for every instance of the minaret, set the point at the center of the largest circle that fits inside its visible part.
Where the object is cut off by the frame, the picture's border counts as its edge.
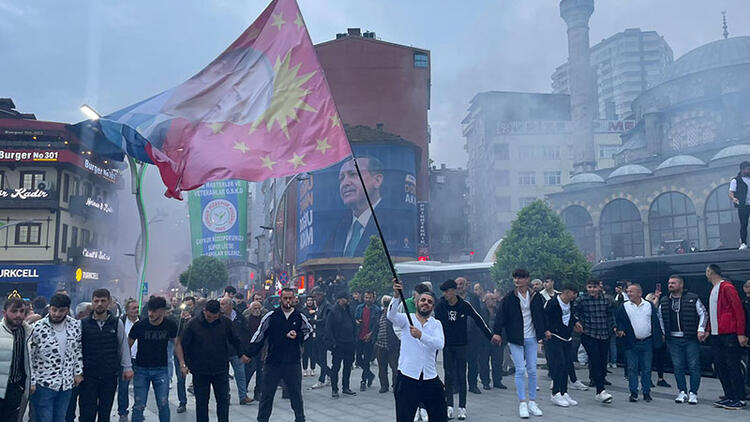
(582, 82)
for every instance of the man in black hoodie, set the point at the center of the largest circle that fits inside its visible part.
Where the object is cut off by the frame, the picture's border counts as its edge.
(741, 200)
(559, 321)
(452, 312)
(342, 334)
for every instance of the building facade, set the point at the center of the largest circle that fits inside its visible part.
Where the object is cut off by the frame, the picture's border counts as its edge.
(448, 216)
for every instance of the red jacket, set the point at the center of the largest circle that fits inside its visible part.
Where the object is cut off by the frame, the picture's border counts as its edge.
(730, 313)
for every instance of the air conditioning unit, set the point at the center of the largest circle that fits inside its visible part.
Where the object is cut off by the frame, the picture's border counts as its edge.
(41, 186)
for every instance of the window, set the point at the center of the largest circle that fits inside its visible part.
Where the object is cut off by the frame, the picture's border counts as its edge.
(721, 219)
(525, 152)
(421, 60)
(74, 237)
(30, 179)
(527, 178)
(66, 187)
(2, 180)
(502, 152)
(85, 237)
(607, 151)
(28, 234)
(76, 187)
(440, 179)
(673, 223)
(578, 222)
(502, 177)
(551, 152)
(64, 239)
(552, 177)
(621, 230)
(524, 202)
(503, 203)
(88, 190)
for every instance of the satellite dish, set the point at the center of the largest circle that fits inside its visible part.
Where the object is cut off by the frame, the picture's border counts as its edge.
(41, 186)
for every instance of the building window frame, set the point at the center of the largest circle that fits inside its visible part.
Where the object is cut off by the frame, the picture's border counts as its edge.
(34, 179)
(28, 234)
(64, 239)
(421, 60)
(66, 187)
(2, 179)
(552, 178)
(527, 178)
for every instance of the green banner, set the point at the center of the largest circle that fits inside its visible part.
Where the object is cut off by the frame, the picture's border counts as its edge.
(218, 219)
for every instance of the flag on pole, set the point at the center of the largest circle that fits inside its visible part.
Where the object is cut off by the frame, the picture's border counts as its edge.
(261, 109)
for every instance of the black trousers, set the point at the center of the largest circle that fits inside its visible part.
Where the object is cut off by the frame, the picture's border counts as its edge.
(10, 406)
(559, 353)
(363, 357)
(291, 373)
(409, 393)
(474, 351)
(322, 360)
(70, 415)
(727, 354)
(597, 350)
(309, 354)
(387, 358)
(744, 213)
(202, 384)
(255, 367)
(343, 353)
(454, 365)
(96, 396)
(491, 355)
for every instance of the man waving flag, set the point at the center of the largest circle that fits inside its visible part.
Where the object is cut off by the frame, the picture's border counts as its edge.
(261, 109)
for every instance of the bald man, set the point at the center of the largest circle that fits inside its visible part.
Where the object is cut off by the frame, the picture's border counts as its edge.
(239, 326)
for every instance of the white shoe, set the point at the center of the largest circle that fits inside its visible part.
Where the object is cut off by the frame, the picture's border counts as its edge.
(558, 400)
(692, 398)
(570, 400)
(743, 247)
(523, 410)
(578, 385)
(450, 412)
(681, 398)
(318, 385)
(417, 417)
(461, 414)
(604, 397)
(534, 409)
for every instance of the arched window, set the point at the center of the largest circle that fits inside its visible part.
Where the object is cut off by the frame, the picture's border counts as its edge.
(722, 222)
(672, 223)
(621, 230)
(578, 222)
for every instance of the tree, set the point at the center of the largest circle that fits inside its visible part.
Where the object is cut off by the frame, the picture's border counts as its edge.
(539, 242)
(206, 272)
(374, 274)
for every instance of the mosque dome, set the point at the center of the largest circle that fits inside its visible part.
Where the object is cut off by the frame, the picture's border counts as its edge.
(732, 151)
(717, 54)
(630, 170)
(679, 161)
(585, 178)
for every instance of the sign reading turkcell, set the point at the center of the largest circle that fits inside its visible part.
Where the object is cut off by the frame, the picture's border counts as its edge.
(218, 219)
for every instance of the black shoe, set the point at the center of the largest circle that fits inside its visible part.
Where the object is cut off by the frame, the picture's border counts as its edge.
(383, 390)
(663, 383)
(363, 386)
(486, 387)
(335, 394)
(733, 405)
(722, 402)
(633, 398)
(181, 408)
(647, 398)
(475, 390)
(607, 382)
(191, 390)
(501, 386)
(348, 392)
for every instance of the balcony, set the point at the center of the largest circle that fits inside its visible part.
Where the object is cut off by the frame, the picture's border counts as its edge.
(21, 198)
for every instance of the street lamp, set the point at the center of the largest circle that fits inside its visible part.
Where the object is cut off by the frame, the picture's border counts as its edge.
(90, 112)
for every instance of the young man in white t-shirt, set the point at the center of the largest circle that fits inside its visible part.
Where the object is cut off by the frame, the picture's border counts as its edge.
(741, 200)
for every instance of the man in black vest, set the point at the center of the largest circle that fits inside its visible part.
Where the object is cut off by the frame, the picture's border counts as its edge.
(106, 353)
(738, 194)
(682, 316)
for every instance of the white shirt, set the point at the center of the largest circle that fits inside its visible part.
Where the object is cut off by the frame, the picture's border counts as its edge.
(547, 296)
(565, 311)
(528, 325)
(363, 219)
(128, 325)
(62, 339)
(640, 318)
(733, 187)
(417, 356)
(713, 308)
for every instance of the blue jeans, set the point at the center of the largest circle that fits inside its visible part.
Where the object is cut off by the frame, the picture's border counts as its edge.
(613, 350)
(123, 399)
(686, 353)
(239, 376)
(50, 405)
(639, 362)
(524, 359)
(142, 380)
(181, 392)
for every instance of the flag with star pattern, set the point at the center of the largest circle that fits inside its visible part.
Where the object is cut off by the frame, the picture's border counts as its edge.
(262, 109)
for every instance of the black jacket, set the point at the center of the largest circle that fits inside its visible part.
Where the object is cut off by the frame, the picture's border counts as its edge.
(553, 319)
(274, 328)
(746, 305)
(206, 345)
(341, 326)
(510, 318)
(687, 319)
(453, 318)
(622, 322)
(239, 325)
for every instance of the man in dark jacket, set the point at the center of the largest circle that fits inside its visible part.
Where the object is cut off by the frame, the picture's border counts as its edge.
(489, 354)
(253, 316)
(321, 336)
(740, 198)
(387, 345)
(521, 314)
(637, 323)
(342, 332)
(453, 312)
(240, 330)
(367, 316)
(106, 355)
(206, 347)
(746, 305)
(560, 321)
(285, 329)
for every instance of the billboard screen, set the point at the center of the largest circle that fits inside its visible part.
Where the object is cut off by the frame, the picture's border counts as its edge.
(218, 219)
(334, 218)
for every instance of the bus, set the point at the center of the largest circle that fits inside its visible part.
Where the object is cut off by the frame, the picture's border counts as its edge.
(412, 273)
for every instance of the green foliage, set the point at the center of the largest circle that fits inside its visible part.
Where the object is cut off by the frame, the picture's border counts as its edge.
(539, 242)
(206, 272)
(375, 274)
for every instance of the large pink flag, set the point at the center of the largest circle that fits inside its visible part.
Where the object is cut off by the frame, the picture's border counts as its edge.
(261, 109)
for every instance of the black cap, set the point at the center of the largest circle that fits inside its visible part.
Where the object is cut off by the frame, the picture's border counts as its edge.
(213, 306)
(448, 284)
(342, 294)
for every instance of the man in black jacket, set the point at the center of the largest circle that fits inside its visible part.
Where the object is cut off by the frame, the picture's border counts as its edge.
(489, 354)
(637, 323)
(740, 198)
(205, 344)
(321, 336)
(560, 321)
(239, 325)
(285, 329)
(342, 333)
(521, 314)
(452, 312)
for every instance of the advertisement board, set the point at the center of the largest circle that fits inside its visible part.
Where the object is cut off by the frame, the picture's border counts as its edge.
(218, 219)
(334, 218)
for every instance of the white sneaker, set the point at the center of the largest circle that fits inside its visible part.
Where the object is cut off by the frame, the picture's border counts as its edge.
(523, 410)
(692, 398)
(743, 247)
(318, 385)
(450, 412)
(417, 416)
(461, 414)
(570, 400)
(681, 398)
(558, 400)
(578, 385)
(604, 397)
(534, 409)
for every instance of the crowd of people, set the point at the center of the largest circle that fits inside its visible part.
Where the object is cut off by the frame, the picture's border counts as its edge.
(59, 363)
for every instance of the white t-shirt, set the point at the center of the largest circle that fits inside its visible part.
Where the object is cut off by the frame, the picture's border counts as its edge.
(528, 326)
(133, 350)
(713, 304)
(733, 187)
(565, 311)
(62, 339)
